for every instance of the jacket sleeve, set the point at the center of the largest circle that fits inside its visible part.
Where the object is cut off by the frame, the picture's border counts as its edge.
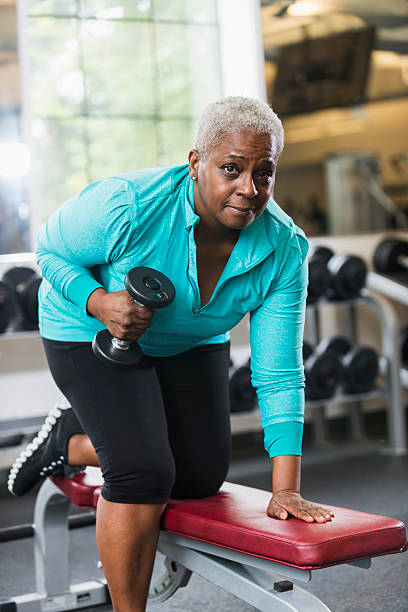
(90, 229)
(276, 337)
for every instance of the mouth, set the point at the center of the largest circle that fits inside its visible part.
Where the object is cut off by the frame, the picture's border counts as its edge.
(242, 211)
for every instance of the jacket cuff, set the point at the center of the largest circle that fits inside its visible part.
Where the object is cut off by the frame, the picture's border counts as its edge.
(79, 290)
(284, 438)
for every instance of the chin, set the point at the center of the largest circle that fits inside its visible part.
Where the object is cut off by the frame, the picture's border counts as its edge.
(239, 225)
(236, 221)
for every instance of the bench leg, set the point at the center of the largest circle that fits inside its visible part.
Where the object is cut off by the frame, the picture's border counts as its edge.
(249, 583)
(51, 550)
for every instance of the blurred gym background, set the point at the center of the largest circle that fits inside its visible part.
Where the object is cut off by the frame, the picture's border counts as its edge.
(89, 88)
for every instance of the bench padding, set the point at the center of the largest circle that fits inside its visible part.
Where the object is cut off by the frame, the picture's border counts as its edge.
(236, 518)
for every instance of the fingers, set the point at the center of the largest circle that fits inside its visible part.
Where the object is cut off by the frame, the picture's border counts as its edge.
(277, 511)
(131, 320)
(311, 512)
(142, 312)
(300, 509)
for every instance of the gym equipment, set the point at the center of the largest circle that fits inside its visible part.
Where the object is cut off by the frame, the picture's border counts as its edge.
(242, 393)
(319, 277)
(404, 345)
(148, 288)
(18, 275)
(347, 273)
(25, 282)
(323, 372)
(7, 305)
(307, 350)
(391, 255)
(227, 539)
(360, 364)
(391, 260)
(27, 295)
(26, 530)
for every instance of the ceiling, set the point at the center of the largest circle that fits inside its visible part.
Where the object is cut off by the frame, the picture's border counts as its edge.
(389, 17)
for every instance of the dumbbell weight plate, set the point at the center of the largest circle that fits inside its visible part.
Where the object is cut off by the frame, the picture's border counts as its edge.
(338, 344)
(389, 256)
(106, 351)
(149, 287)
(7, 305)
(18, 275)
(28, 299)
(319, 279)
(323, 373)
(404, 345)
(307, 350)
(321, 252)
(348, 274)
(360, 370)
(242, 393)
(360, 364)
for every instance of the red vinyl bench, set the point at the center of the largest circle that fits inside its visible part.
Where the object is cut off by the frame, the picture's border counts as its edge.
(210, 536)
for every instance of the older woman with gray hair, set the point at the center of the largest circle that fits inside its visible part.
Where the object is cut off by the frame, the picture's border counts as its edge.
(162, 429)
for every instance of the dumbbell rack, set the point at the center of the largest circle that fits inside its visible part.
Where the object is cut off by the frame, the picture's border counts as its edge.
(391, 391)
(390, 366)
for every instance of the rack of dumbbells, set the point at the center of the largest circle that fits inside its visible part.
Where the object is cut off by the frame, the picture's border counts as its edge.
(390, 278)
(19, 283)
(337, 372)
(19, 299)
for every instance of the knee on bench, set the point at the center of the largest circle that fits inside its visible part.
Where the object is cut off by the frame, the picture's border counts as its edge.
(127, 483)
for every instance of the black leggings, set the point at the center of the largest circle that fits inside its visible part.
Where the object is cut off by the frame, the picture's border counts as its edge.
(160, 430)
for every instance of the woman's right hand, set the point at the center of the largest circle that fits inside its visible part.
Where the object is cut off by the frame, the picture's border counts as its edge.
(119, 313)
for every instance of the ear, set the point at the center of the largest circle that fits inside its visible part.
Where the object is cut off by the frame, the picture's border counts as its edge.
(193, 162)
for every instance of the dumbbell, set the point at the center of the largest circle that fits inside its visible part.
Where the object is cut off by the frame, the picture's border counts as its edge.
(391, 256)
(24, 282)
(347, 273)
(319, 277)
(148, 288)
(323, 372)
(404, 345)
(360, 364)
(28, 300)
(7, 305)
(242, 393)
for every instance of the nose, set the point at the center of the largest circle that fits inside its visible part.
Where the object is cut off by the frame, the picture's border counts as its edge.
(247, 187)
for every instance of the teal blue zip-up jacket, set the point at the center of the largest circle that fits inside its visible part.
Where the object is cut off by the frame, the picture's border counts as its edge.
(147, 218)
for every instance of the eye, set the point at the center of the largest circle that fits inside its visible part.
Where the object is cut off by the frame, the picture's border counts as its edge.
(230, 169)
(264, 174)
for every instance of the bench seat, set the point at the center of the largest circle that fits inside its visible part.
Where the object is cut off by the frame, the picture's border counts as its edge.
(235, 518)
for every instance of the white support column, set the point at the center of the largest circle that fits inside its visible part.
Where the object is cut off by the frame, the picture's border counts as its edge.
(241, 48)
(32, 182)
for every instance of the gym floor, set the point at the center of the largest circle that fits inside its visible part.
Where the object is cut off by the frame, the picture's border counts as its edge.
(360, 476)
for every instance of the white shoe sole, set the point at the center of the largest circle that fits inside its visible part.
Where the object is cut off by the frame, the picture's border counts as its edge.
(34, 445)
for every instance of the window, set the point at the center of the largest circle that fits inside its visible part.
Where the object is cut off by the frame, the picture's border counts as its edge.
(113, 87)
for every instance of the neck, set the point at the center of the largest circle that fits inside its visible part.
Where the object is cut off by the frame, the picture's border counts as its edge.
(212, 234)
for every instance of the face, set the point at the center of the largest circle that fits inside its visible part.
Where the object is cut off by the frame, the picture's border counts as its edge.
(236, 180)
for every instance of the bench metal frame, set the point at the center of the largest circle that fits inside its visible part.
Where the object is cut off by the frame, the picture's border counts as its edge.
(249, 578)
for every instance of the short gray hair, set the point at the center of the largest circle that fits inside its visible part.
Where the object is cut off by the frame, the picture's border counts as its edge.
(236, 114)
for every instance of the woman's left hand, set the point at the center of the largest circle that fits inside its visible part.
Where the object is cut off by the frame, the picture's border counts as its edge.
(285, 503)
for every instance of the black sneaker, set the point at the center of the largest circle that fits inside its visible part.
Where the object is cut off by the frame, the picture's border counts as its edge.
(46, 455)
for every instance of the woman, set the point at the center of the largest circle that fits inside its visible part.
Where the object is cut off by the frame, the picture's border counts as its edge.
(163, 429)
